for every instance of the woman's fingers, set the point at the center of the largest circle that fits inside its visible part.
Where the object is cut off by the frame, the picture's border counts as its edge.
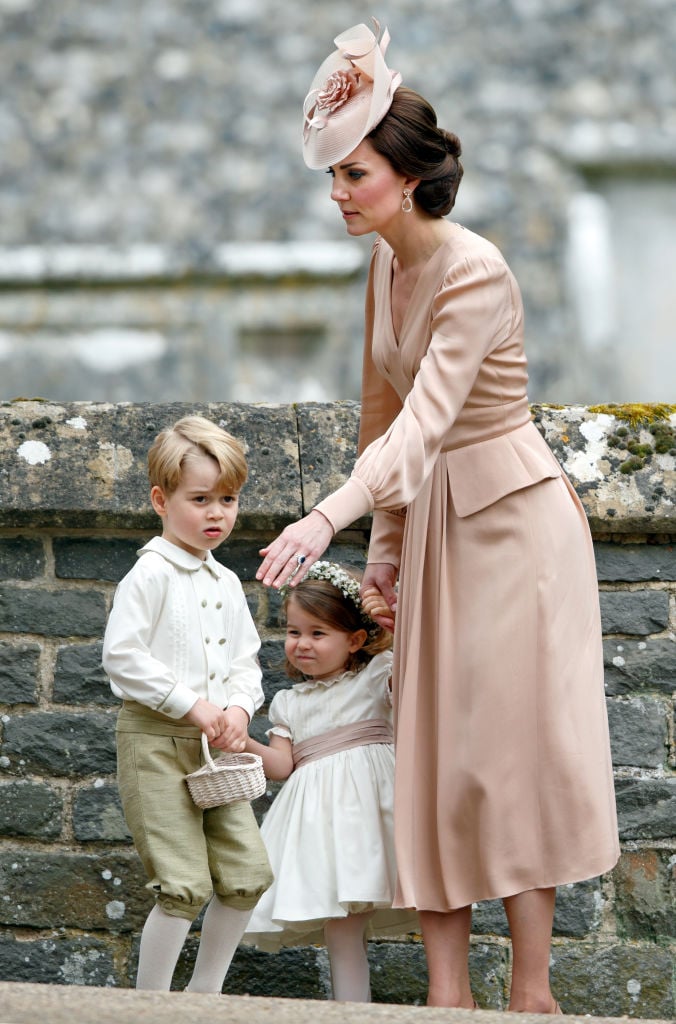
(289, 556)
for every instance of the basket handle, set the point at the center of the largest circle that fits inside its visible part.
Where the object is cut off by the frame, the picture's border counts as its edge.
(205, 750)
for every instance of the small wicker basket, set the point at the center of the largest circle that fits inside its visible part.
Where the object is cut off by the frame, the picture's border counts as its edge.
(227, 779)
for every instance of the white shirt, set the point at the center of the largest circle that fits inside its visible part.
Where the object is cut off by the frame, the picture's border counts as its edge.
(179, 629)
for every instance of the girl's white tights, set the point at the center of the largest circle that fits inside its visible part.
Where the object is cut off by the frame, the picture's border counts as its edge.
(163, 938)
(346, 944)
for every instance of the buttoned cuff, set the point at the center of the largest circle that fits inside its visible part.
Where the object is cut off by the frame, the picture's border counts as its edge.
(242, 700)
(178, 702)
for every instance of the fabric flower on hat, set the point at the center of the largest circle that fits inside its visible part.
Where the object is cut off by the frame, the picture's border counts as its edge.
(337, 90)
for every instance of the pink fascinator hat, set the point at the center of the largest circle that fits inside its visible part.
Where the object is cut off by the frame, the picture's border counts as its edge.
(350, 94)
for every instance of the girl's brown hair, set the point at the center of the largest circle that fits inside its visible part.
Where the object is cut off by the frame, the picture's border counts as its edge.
(327, 603)
(409, 137)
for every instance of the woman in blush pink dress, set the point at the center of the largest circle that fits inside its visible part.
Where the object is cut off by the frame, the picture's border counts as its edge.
(504, 783)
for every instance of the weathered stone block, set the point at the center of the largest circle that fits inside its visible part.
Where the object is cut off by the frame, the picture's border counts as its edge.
(633, 563)
(94, 558)
(98, 817)
(241, 557)
(79, 677)
(52, 612)
(645, 894)
(646, 808)
(72, 890)
(272, 664)
(30, 809)
(19, 665)
(57, 961)
(260, 723)
(104, 447)
(577, 912)
(638, 731)
(328, 445)
(631, 665)
(21, 558)
(61, 744)
(614, 981)
(296, 973)
(275, 613)
(398, 972)
(637, 612)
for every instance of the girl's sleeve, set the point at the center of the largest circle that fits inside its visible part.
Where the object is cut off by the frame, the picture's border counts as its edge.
(381, 678)
(278, 715)
(472, 313)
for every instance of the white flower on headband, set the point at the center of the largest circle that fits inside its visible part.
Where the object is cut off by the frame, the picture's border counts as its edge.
(337, 90)
(348, 586)
(341, 580)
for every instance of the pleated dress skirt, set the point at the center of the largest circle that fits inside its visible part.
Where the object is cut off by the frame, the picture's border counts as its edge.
(503, 770)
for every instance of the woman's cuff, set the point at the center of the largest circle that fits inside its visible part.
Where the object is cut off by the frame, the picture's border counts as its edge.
(387, 532)
(349, 503)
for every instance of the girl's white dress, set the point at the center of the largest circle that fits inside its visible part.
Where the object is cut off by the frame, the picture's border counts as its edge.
(329, 831)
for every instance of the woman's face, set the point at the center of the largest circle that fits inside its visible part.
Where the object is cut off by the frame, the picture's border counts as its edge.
(368, 191)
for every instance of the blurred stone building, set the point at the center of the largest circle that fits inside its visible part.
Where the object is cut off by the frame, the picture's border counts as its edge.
(161, 238)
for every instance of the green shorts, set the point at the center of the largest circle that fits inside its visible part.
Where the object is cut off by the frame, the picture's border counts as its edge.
(188, 853)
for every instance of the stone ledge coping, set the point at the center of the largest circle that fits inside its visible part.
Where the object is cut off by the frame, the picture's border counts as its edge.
(38, 265)
(55, 1004)
(82, 464)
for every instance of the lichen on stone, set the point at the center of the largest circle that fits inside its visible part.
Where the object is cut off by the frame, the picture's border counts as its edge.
(636, 413)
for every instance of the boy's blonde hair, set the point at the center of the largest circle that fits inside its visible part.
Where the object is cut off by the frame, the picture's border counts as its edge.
(191, 437)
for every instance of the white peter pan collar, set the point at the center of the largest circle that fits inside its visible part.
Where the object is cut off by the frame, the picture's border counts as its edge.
(180, 558)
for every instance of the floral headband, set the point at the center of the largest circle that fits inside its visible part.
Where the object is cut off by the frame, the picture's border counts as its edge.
(348, 586)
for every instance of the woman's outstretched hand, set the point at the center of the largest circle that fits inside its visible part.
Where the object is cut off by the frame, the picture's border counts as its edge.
(307, 540)
(378, 595)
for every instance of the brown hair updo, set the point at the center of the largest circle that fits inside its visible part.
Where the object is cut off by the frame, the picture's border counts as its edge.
(409, 137)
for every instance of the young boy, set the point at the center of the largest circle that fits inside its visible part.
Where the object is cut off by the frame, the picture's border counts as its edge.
(180, 649)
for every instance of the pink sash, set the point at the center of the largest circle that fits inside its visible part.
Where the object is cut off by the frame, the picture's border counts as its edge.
(373, 730)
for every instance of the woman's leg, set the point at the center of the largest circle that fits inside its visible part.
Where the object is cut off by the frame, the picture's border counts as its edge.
(346, 943)
(162, 940)
(530, 916)
(446, 938)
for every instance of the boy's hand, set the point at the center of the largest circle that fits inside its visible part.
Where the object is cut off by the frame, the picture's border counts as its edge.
(235, 734)
(209, 718)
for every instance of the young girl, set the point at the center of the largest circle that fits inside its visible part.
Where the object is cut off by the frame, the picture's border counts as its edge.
(329, 832)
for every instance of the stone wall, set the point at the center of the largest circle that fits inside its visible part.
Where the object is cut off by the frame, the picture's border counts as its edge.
(174, 127)
(73, 511)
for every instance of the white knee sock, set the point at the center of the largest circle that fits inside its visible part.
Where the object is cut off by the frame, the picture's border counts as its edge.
(346, 944)
(222, 930)
(161, 943)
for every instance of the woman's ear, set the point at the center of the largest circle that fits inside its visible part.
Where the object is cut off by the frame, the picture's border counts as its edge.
(358, 640)
(158, 500)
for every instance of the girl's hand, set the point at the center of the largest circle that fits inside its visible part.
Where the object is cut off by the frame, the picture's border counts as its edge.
(306, 539)
(234, 735)
(378, 596)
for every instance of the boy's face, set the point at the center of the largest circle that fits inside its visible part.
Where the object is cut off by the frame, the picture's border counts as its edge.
(198, 515)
